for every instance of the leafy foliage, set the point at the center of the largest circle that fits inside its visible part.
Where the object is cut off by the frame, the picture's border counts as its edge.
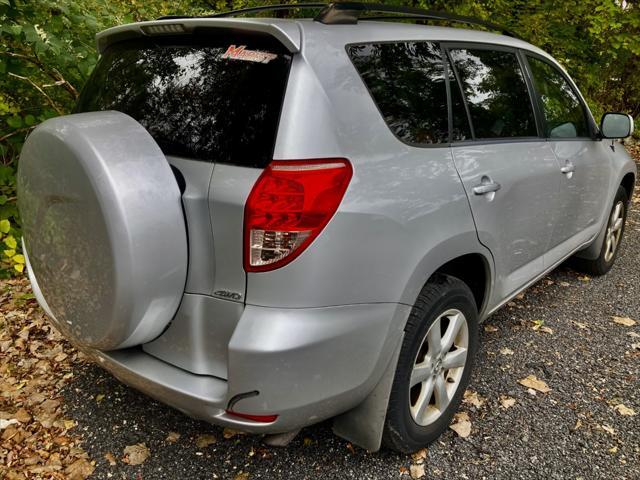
(47, 53)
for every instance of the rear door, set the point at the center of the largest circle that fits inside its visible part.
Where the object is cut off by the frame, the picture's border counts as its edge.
(212, 102)
(582, 163)
(510, 174)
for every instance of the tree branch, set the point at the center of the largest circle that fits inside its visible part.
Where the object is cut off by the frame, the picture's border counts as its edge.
(37, 87)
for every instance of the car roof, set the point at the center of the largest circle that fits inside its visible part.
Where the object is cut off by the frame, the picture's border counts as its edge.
(296, 34)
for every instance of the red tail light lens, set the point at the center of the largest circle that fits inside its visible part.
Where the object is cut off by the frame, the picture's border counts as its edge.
(289, 205)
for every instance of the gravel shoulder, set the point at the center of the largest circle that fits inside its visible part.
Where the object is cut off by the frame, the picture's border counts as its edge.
(562, 331)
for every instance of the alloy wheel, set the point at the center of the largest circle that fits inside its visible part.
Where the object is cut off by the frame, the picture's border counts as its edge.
(438, 367)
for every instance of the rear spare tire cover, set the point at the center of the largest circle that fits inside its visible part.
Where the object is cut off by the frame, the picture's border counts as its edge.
(103, 227)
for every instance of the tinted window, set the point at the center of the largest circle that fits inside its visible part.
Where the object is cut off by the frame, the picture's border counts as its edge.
(563, 112)
(407, 82)
(200, 100)
(496, 93)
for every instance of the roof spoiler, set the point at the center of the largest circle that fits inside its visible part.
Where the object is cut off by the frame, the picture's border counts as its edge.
(287, 34)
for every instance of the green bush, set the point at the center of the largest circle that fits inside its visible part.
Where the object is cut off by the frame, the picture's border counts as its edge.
(47, 52)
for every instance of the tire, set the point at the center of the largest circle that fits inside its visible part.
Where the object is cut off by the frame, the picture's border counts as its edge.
(606, 259)
(443, 294)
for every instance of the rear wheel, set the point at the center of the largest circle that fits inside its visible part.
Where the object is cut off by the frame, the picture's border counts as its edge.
(612, 238)
(434, 366)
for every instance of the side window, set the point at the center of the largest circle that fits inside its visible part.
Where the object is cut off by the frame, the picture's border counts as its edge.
(563, 113)
(407, 82)
(496, 93)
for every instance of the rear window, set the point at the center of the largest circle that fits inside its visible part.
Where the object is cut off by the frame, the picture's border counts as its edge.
(213, 99)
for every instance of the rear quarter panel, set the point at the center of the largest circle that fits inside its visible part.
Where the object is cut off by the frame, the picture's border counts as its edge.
(404, 214)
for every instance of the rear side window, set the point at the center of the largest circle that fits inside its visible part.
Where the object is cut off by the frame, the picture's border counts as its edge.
(496, 93)
(407, 82)
(563, 112)
(212, 99)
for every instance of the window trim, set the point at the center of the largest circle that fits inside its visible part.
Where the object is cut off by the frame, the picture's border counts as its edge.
(586, 112)
(448, 46)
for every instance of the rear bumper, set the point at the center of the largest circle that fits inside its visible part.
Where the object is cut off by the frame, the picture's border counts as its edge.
(304, 365)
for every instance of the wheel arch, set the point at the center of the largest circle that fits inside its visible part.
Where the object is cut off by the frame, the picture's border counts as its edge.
(628, 183)
(461, 256)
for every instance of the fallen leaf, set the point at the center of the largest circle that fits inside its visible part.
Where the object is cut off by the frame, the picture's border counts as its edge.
(490, 328)
(507, 402)
(99, 397)
(635, 346)
(79, 470)
(420, 456)
(633, 334)
(613, 449)
(534, 383)
(416, 471)
(608, 429)
(136, 454)
(506, 351)
(462, 426)
(241, 476)
(622, 409)
(472, 398)
(307, 442)
(584, 278)
(173, 437)
(5, 423)
(22, 416)
(69, 424)
(110, 457)
(230, 433)
(579, 325)
(203, 441)
(626, 321)
(564, 284)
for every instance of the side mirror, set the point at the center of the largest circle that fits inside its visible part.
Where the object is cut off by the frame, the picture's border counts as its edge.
(616, 125)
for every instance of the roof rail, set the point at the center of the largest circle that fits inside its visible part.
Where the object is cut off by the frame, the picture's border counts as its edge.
(349, 13)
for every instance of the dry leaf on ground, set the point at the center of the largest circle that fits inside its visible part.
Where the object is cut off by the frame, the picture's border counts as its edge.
(242, 476)
(136, 454)
(507, 402)
(419, 456)
(608, 429)
(462, 425)
(535, 383)
(111, 458)
(173, 437)
(622, 409)
(203, 441)
(79, 470)
(490, 328)
(416, 471)
(626, 321)
(506, 351)
(230, 433)
(473, 398)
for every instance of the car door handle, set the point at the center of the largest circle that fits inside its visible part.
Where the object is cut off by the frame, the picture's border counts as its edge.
(568, 168)
(485, 188)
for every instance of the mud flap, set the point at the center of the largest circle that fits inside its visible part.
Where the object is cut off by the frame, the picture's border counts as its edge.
(364, 424)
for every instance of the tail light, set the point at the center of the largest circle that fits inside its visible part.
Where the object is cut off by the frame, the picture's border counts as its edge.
(289, 205)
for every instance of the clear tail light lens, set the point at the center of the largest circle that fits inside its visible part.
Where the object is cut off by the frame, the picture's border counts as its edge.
(288, 207)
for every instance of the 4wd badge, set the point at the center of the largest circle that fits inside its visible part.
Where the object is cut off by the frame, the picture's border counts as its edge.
(241, 53)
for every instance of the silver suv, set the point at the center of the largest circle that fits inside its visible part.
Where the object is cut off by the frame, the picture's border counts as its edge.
(266, 223)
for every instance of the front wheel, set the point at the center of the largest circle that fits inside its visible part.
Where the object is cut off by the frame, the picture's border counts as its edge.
(434, 366)
(612, 238)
